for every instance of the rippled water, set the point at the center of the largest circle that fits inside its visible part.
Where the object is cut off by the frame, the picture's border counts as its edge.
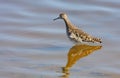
(32, 45)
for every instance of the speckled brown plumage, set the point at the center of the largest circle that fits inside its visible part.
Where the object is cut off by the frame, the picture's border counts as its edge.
(75, 34)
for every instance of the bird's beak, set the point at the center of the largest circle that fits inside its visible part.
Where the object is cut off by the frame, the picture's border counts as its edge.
(56, 18)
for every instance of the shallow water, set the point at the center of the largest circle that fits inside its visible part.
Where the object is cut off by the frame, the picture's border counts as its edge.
(32, 45)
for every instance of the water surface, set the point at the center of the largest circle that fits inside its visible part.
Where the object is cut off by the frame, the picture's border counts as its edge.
(32, 45)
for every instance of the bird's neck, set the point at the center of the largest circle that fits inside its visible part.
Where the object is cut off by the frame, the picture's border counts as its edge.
(68, 23)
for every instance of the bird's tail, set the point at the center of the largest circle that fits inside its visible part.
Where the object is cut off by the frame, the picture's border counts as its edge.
(97, 40)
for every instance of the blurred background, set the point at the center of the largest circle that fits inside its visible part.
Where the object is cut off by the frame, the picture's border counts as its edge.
(32, 45)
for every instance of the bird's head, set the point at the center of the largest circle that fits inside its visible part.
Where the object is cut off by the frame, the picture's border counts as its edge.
(61, 16)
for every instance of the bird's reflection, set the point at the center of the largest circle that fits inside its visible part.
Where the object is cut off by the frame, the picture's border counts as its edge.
(77, 52)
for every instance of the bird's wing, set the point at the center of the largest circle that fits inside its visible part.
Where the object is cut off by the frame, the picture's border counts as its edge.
(83, 35)
(86, 37)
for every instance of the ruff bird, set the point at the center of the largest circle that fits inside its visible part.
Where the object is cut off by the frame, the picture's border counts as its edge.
(75, 34)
